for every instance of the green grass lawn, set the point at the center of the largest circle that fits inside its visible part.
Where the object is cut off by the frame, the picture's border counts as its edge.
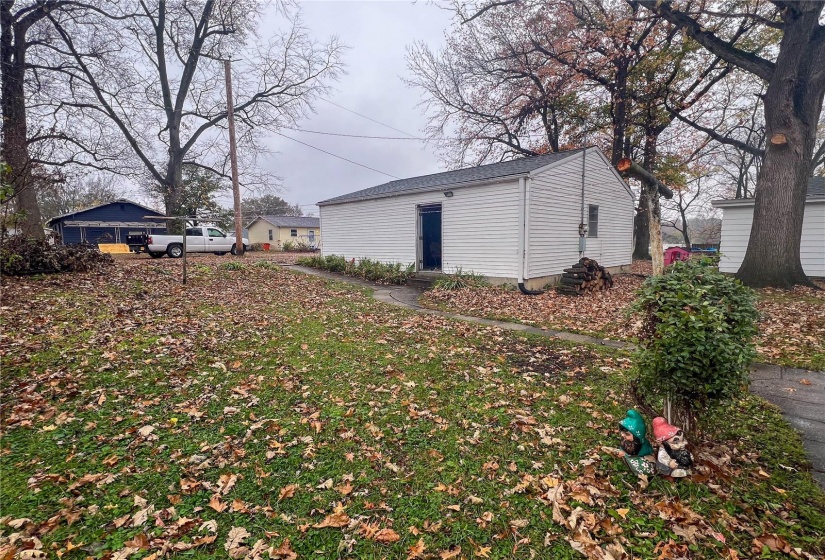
(259, 413)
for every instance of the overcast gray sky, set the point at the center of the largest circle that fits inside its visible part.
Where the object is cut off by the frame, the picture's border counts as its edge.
(377, 34)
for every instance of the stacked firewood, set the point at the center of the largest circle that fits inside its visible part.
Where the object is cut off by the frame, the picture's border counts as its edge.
(584, 277)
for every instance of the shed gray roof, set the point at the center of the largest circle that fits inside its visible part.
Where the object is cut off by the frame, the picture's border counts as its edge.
(816, 191)
(290, 221)
(515, 167)
(816, 187)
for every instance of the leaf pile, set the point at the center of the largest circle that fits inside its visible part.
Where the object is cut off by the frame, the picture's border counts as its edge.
(258, 413)
(791, 325)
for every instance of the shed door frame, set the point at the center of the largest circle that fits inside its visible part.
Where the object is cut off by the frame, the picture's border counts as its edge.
(419, 235)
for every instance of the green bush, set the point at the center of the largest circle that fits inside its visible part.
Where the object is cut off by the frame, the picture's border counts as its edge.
(267, 265)
(298, 246)
(460, 279)
(232, 265)
(376, 271)
(696, 335)
(20, 255)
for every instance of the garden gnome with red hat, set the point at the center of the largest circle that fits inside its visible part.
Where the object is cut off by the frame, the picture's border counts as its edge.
(673, 458)
(636, 451)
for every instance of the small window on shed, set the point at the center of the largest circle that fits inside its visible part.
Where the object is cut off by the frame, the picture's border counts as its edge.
(270, 235)
(293, 232)
(593, 221)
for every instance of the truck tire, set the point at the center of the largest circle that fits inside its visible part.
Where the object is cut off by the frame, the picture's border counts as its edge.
(155, 254)
(175, 251)
(234, 250)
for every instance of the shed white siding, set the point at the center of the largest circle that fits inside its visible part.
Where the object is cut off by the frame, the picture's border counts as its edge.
(736, 228)
(554, 200)
(479, 228)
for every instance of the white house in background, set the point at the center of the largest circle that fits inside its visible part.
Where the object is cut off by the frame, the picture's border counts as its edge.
(515, 221)
(737, 218)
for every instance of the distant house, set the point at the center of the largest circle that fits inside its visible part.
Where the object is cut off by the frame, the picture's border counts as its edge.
(106, 223)
(737, 219)
(516, 221)
(277, 230)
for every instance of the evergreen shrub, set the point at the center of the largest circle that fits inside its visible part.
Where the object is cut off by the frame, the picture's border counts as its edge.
(697, 326)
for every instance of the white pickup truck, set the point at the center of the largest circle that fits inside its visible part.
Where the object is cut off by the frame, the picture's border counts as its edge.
(199, 239)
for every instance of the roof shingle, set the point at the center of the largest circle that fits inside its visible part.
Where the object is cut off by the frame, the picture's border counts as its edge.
(816, 187)
(521, 166)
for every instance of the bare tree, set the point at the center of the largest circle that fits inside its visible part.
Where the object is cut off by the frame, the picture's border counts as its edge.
(58, 194)
(499, 98)
(523, 79)
(152, 70)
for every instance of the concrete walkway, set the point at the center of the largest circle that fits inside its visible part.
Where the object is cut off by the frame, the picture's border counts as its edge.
(800, 394)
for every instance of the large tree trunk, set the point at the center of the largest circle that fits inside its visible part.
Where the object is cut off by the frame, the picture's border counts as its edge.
(15, 142)
(641, 229)
(619, 115)
(793, 102)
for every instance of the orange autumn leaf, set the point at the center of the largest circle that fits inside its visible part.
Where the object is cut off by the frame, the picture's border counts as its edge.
(417, 550)
(334, 520)
(216, 504)
(287, 491)
(387, 536)
(450, 553)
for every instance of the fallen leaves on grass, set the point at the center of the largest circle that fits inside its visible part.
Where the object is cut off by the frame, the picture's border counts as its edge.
(165, 413)
(791, 325)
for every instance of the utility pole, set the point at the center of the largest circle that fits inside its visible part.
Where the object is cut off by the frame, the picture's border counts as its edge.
(233, 156)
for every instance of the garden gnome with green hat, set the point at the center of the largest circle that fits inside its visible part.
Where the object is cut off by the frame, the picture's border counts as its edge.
(636, 450)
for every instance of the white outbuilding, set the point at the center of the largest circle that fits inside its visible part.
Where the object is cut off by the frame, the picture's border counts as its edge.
(737, 219)
(517, 221)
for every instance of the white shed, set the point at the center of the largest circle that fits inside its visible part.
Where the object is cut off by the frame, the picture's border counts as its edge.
(737, 218)
(516, 221)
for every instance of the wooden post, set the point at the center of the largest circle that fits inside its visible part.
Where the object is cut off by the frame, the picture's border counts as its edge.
(233, 156)
(184, 252)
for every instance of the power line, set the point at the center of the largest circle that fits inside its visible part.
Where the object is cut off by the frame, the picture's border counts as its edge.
(337, 156)
(445, 139)
(366, 117)
(356, 135)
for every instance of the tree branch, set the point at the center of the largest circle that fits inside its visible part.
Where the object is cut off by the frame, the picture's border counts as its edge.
(487, 7)
(738, 57)
(721, 138)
